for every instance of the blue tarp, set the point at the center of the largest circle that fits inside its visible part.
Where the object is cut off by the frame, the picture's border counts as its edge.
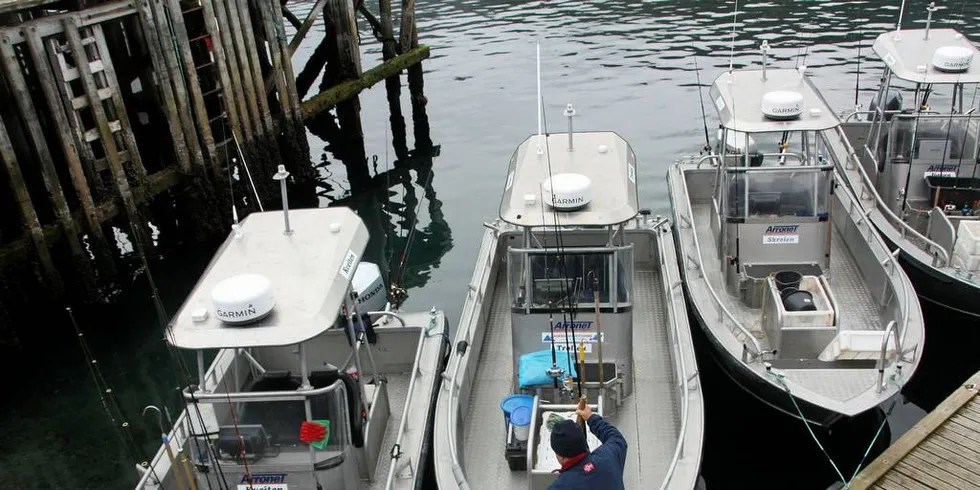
(533, 367)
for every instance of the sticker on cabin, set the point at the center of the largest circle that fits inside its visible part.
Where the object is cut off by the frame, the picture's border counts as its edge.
(781, 234)
(510, 181)
(349, 264)
(631, 172)
(579, 325)
(561, 338)
(720, 103)
(941, 171)
(264, 481)
(562, 348)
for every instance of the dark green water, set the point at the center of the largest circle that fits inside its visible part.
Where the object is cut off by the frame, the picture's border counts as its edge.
(626, 66)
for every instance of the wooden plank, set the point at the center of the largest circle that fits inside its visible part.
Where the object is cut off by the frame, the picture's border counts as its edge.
(941, 469)
(19, 190)
(291, 17)
(100, 246)
(960, 458)
(959, 441)
(962, 418)
(193, 82)
(895, 481)
(22, 97)
(52, 24)
(108, 140)
(307, 24)
(154, 46)
(884, 462)
(965, 432)
(345, 90)
(923, 476)
(245, 18)
(408, 24)
(169, 73)
(217, 50)
(237, 94)
(15, 5)
(157, 183)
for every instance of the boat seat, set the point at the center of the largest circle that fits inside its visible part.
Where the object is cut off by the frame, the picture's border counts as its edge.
(320, 378)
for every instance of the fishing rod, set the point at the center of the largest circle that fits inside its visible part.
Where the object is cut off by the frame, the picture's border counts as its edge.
(704, 116)
(186, 473)
(857, 75)
(598, 332)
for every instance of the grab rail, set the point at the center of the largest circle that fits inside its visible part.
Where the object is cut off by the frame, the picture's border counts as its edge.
(453, 408)
(683, 381)
(883, 208)
(259, 396)
(711, 290)
(416, 372)
(884, 349)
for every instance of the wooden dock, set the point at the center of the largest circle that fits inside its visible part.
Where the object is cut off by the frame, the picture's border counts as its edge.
(111, 106)
(941, 452)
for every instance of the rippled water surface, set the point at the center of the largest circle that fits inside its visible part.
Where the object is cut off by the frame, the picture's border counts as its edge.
(627, 66)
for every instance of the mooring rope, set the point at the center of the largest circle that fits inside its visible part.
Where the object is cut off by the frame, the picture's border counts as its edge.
(780, 377)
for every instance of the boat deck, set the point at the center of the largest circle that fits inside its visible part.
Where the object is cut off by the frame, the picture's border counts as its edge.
(649, 418)
(942, 451)
(858, 308)
(397, 396)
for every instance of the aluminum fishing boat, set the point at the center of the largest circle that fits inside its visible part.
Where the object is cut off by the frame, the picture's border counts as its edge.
(916, 166)
(304, 338)
(803, 303)
(572, 265)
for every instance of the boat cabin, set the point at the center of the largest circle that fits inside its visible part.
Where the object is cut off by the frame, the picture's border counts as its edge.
(771, 201)
(296, 319)
(921, 146)
(571, 195)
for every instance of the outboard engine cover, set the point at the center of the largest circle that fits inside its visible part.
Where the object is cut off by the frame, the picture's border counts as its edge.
(370, 288)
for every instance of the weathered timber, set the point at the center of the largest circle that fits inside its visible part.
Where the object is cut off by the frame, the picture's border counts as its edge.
(410, 40)
(393, 84)
(50, 25)
(231, 109)
(256, 68)
(236, 94)
(332, 96)
(155, 47)
(157, 183)
(14, 5)
(291, 17)
(307, 24)
(19, 189)
(244, 65)
(22, 98)
(286, 67)
(108, 139)
(193, 81)
(100, 246)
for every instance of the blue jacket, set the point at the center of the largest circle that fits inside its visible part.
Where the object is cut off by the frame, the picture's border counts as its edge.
(603, 468)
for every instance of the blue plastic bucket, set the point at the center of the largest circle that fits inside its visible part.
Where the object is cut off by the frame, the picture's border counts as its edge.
(512, 402)
(520, 418)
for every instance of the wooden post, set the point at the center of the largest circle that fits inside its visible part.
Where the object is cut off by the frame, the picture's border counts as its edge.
(256, 69)
(227, 88)
(153, 45)
(345, 66)
(291, 17)
(100, 246)
(31, 223)
(108, 139)
(244, 65)
(22, 98)
(236, 93)
(393, 84)
(286, 65)
(193, 81)
(307, 24)
(410, 40)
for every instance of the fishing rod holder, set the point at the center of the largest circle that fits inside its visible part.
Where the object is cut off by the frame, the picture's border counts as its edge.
(281, 176)
(570, 113)
(764, 48)
(929, 10)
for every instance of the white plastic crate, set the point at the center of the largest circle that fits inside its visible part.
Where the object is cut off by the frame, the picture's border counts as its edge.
(963, 259)
(822, 317)
(968, 236)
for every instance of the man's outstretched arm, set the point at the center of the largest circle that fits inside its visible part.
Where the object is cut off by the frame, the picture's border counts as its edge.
(612, 439)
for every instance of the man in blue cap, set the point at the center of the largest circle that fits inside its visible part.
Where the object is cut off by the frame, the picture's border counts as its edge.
(581, 470)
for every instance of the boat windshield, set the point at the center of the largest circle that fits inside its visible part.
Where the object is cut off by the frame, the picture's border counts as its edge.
(568, 279)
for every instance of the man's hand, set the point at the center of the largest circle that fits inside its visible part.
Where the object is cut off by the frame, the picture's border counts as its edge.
(585, 413)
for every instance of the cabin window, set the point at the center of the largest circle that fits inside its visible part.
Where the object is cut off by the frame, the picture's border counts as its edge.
(761, 194)
(568, 280)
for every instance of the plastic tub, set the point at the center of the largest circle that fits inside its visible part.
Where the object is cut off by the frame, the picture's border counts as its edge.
(520, 418)
(787, 279)
(512, 402)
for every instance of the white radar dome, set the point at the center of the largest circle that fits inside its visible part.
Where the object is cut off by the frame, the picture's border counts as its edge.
(953, 59)
(370, 288)
(243, 299)
(566, 192)
(782, 104)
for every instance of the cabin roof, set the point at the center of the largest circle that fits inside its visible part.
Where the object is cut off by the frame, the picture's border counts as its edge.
(737, 96)
(310, 271)
(906, 51)
(604, 157)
